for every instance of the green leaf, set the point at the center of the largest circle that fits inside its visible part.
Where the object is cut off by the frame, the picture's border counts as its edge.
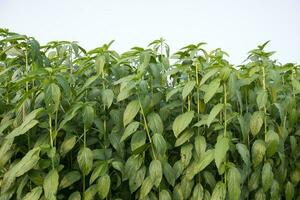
(103, 186)
(198, 165)
(221, 148)
(258, 152)
(130, 129)
(234, 183)
(155, 172)
(213, 113)
(131, 111)
(211, 90)
(169, 173)
(184, 137)
(197, 192)
(172, 93)
(262, 99)
(164, 195)
(155, 123)
(209, 74)
(219, 192)
(200, 145)
(289, 191)
(70, 178)
(244, 152)
(181, 122)
(272, 142)
(107, 97)
(50, 184)
(99, 170)
(85, 160)
(68, 144)
(138, 140)
(188, 87)
(88, 115)
(75, 196)
(99, 64)
(137, 179)
(146, 187)
(256, 122)
(267, 177)
(90, 193)
(34, 194)
(159, 143)
(22, 129)
(52, 97)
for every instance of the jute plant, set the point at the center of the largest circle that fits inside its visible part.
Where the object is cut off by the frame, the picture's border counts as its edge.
(79, 124)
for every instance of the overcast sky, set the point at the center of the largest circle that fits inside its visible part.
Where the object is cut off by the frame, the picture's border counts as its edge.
(236, 26)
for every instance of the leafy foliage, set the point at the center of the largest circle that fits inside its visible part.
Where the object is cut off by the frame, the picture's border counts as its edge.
(77, 124)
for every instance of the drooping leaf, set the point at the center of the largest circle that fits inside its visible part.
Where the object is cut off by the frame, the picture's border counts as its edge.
(256, 123)
(50, 184)
(103, 186)
(70, 178)
(130, 129)
(234, 183)
(188, 87)
(156, 172)
(181, 122)
(219, 191)
(211, 90)
(155, 123)
(221, 148)
(131, 111)
(85, 160)
(213, 113)
(107, 97)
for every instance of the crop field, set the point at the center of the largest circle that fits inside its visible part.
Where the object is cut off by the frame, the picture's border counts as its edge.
(145, 124)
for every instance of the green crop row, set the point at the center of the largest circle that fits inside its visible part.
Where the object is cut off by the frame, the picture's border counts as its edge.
(77, 124)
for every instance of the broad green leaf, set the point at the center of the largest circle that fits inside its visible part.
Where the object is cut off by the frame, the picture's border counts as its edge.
(272, 142)
(88, 115)
(22, 129)
(155, 172)
(164, 195)
(211, 90)
(159, 143)
(197, 192)
(256, 122)
(99, 170)
(75, 196)
(221, 148)
(52, 97)
(107, 97)
(146, 187)
(155, 123)
(34, 194)
(70, 178)
(289, 191)
(181, 122)
(131, 111)
(244, 152)
(234, 183)
(27, 162)
(200, 145)
(138, 140)
(68, 144)
(275, 190)
(99, 64)
(262, 99)
(184, 137)
(219, 192)
(254, 181)
(213, 113)
(88, 82)
(186, 154)
(258, 152)
(85, 160)
(130, 129)
(169, 173)
(267, 177)
(103, 186)
(137, 179)
(207, 75)
(90, 193)
(198, 165)
(188, 87)
(172, 93)
(50, 184)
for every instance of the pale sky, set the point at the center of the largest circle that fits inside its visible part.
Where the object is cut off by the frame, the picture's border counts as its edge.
(236, 26)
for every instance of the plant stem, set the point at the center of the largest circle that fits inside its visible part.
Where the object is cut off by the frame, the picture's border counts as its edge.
(146, 128)
(51, 138)
(225, 109)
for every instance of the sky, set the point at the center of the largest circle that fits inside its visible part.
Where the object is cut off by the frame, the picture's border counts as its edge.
(236, 26)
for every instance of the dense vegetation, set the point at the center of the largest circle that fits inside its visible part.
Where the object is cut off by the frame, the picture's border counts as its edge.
(144, 125)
